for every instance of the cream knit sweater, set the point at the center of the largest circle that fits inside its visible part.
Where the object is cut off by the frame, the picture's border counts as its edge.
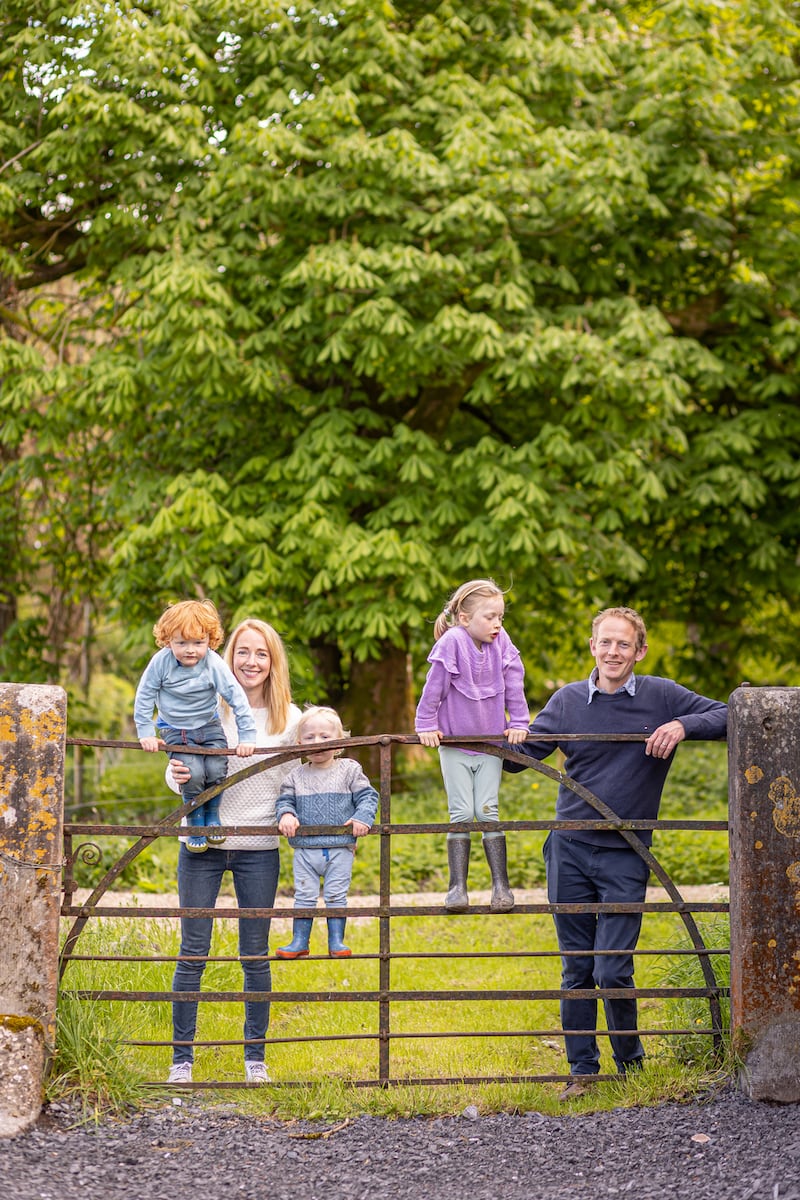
(252, 802)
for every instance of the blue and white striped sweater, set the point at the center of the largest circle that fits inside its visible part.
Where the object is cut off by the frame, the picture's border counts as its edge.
(327, 796)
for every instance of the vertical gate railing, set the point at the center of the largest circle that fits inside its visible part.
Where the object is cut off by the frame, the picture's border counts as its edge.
(385, 997)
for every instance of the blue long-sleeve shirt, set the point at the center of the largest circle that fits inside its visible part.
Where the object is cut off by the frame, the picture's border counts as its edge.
(186, 697)
(629, 781)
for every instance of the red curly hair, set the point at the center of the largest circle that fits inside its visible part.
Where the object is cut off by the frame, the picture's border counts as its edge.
(189, 619)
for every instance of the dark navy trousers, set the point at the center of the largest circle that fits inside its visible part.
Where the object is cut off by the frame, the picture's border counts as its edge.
(580, 873)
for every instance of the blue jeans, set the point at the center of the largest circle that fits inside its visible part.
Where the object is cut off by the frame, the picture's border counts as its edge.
(580, 873)
(206, 769)
(255, 880)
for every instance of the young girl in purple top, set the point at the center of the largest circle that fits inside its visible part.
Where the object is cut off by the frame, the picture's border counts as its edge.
(475, 679)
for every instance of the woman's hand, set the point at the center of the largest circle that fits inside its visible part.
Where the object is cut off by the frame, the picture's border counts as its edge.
(179, 772)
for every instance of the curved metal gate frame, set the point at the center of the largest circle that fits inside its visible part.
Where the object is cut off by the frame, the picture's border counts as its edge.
(385, 910)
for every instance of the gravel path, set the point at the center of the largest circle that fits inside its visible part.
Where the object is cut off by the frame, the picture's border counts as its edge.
(720, 1147)
(724, 1146)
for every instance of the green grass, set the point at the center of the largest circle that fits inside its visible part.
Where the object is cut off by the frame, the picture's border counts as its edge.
(328, 1070)
(91, 1065)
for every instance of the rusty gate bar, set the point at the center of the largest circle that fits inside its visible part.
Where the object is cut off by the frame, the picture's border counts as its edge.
(384, 911)
(236, 958)
(384, 922)
(395, 910)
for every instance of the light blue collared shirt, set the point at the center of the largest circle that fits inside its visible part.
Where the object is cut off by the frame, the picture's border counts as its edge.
(628, 686)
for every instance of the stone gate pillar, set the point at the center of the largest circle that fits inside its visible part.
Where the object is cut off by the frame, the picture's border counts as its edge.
(764, 772)
(32, 741)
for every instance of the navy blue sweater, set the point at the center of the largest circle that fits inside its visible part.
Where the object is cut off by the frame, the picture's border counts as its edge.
(629, 781)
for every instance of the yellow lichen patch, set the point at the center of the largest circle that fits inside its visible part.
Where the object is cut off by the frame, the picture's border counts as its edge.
(8, 728)
(793, 875)
(785, 806)
(18, 1024)
(42, 821)
(753, 774)
(42, 788)
(45, 726)
(9, 779)
(37, 853)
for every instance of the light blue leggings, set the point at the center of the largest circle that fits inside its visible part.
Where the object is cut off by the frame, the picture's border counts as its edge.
(472, 783)
(333, 865)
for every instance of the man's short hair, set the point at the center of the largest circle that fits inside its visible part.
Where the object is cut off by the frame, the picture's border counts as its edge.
(625, 614)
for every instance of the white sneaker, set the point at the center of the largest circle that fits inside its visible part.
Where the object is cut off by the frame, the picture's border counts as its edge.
(256, 1072)
(180, 1073)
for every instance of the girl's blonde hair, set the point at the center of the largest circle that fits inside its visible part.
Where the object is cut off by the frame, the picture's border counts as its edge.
(465, 599)
(277, 690)
(319, 710)
(191, 619)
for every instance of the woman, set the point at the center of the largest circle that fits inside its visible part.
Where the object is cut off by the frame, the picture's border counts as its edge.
(256, 655)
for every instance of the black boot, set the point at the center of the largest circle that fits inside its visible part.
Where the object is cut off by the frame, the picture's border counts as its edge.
(457, 899)
(495, 851)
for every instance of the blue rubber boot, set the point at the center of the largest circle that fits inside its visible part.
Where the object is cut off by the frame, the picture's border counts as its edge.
(213, 822)
(197, 843)
(336, 947)
(298, 946)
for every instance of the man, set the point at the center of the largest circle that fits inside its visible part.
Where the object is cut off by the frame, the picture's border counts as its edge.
(587, 866)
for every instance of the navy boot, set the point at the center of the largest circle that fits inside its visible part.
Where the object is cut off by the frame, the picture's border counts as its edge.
(213, 822)
(197, 842)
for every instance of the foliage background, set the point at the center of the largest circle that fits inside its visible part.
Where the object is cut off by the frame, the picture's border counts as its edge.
(320, 312)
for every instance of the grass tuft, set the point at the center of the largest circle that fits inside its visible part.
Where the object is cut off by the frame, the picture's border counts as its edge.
(89, 1067)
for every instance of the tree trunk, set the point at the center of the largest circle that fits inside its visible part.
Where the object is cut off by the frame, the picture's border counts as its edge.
(380, 699)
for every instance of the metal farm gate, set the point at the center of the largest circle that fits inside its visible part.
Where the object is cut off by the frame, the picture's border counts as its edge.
(387, 998)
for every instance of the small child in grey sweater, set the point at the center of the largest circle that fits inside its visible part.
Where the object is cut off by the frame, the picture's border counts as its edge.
(323, 790)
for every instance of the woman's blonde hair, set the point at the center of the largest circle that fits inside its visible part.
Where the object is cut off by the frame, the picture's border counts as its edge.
(277, 690)
(465, 599)
(192, 619)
